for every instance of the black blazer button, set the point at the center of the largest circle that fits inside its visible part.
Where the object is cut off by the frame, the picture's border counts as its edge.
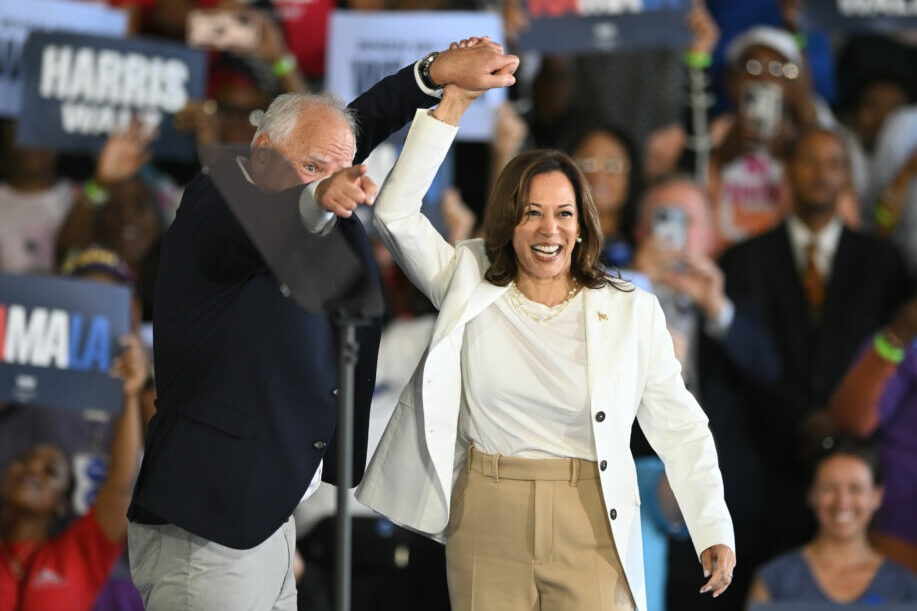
(603, 465)
(335, 392)
(613, 514)
(319, 445)
(600, 416)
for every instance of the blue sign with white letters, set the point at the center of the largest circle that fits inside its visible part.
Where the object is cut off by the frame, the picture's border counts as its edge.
(58, 338)
(79, 89)
(582, 26)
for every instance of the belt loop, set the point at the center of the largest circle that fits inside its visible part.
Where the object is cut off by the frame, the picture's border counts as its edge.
(495, 466)
(574, 471)
(468, 458)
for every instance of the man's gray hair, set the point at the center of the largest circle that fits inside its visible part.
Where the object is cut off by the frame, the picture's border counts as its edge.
(282, 115)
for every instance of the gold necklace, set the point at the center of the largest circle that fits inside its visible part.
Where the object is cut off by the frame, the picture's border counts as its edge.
(516, 297)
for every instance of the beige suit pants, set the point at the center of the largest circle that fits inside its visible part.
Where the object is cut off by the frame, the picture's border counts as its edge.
(531, 535)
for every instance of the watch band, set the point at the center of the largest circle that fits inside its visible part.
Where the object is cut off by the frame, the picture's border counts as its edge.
(425, 64)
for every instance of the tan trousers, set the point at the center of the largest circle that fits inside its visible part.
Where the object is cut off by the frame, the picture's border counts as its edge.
(531, 535)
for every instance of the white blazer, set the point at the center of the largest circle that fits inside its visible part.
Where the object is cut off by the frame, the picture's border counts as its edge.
(632, 372)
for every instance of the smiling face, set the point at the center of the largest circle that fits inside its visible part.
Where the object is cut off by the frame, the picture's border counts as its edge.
(844, 497)
(36, 481)
(546, 235)
(321, 144)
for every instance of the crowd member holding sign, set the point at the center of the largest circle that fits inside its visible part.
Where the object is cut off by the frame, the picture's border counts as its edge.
(67, 572)
(245, 378)
(511, 440)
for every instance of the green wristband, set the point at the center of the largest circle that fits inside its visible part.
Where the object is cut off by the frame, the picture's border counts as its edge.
(95, 192)
(284, 66)
(885, 217)
(801, 40)
(892, 354)
(698, 59)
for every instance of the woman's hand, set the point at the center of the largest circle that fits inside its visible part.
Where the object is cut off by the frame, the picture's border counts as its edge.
(704, 31)
(124, 153)
(719, 562)
(132, 365)
(454, 104)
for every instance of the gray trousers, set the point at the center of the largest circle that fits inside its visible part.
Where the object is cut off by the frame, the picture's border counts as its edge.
(176, 570)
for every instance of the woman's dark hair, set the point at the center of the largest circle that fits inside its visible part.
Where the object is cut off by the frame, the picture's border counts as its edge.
(635, 184)
(843, 444)
(507, 204)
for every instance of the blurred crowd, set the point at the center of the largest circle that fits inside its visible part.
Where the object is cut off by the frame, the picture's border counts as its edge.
(762, 182)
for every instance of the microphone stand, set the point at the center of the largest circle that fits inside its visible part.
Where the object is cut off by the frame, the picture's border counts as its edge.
(348, 354)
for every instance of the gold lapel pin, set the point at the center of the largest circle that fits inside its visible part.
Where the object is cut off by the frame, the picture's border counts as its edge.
(602, 316)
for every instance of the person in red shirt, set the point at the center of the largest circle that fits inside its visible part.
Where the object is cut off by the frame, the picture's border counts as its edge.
(64, 573)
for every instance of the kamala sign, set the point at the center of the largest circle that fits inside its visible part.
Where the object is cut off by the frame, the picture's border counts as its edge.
(58, 338)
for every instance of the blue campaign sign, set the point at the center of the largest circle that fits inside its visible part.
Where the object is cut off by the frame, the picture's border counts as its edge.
(19, 17)
(861, 15)
(366, 46)
(583, 26)
(58, 338)
(78, 89)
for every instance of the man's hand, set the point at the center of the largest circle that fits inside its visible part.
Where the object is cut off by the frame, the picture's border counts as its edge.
(702, 281)
(346, 189)
(719, 562)
(475, 64)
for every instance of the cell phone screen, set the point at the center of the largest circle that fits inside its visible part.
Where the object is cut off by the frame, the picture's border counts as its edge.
(224, 29)
(670, 226)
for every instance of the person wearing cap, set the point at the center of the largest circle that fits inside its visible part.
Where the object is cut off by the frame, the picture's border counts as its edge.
(741, 155)
(773, 101)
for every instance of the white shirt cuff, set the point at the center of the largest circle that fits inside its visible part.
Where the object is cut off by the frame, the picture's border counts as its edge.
(719, 328)
(314, 218)
(436, 93)
(315, 483)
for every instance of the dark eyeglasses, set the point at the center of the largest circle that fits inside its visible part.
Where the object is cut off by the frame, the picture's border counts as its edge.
(776, 69)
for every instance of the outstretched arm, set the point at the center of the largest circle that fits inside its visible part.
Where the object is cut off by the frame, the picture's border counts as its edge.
(426, 258)
(382, 110)
(110, 508)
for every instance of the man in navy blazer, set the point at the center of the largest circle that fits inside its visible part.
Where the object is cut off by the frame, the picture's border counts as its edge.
(245, 378)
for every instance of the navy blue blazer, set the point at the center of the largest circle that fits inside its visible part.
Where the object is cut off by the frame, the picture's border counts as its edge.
(245, 379)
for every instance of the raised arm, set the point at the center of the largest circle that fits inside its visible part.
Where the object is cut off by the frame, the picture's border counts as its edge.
(424, 255)
(426, 258)
(110, 508)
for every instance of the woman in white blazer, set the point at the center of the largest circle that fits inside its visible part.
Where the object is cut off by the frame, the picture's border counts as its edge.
(511, 441)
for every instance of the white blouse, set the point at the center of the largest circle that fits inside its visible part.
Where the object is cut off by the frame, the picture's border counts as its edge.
(524, 382)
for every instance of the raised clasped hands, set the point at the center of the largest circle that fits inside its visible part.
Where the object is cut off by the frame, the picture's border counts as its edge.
(468, 69)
